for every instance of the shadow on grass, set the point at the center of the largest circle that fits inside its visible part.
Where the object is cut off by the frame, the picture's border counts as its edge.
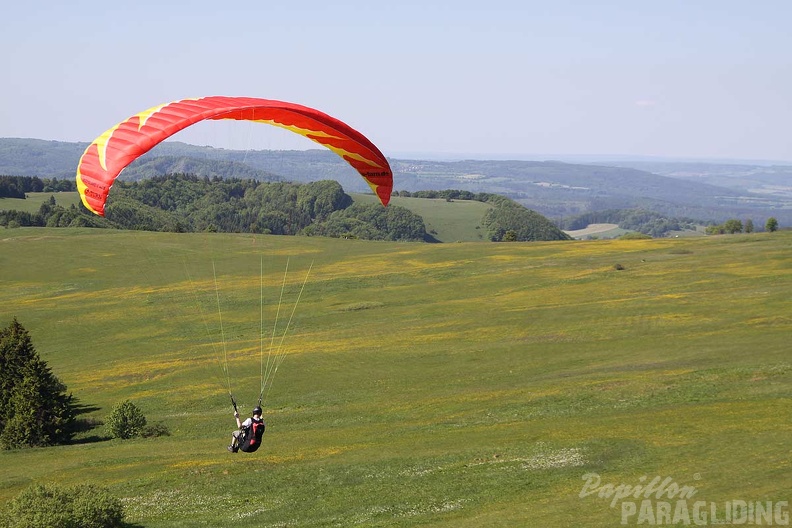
(89, 430)
(82, 427)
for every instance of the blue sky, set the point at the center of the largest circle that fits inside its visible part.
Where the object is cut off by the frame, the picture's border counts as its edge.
(681, 79)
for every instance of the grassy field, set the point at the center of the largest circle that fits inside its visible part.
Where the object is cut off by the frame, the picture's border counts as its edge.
(423, 384)
(33, 202)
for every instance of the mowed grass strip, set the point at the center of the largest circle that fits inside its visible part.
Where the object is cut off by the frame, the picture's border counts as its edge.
(452, 385)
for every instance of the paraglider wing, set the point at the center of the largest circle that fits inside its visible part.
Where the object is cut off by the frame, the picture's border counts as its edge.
(110, 153)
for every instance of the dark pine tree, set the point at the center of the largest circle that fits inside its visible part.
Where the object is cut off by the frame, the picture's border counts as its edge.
(34, 407)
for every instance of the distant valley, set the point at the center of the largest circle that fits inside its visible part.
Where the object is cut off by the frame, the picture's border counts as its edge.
(702, 191)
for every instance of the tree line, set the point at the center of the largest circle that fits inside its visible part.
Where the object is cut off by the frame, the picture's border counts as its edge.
(188, 203)
(17, 186)
(640, 220)
(184, 202)
(657, 225)
(735, 225)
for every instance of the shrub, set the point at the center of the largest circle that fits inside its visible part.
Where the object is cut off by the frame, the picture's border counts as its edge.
(635, 235)
(126, 420)
(81, 506)
(155, 429)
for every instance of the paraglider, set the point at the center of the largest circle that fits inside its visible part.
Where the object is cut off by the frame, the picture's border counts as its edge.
(247, 437)
(111, 152)
(107, 156)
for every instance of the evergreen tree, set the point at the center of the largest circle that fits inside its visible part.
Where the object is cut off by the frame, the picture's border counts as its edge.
(34, 407)
(16, 351)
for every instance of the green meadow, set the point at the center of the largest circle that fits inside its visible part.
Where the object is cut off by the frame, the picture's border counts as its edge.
(32, 202)
(466, 384)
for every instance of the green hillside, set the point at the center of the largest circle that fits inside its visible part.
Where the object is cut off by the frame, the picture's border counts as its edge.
(424, 384)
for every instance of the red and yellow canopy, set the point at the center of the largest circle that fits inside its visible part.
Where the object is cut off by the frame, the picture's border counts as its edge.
(110, 153)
